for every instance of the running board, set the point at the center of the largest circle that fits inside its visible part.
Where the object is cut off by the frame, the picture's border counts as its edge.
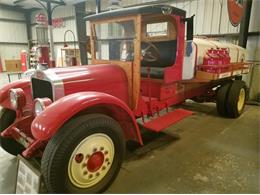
(160, 123)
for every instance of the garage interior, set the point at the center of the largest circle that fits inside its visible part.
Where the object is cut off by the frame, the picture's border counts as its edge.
(203, 153)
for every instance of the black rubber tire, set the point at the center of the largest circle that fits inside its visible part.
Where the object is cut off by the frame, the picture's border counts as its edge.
(57, 153)
(221, 99)
(7, 117)
(233, 97)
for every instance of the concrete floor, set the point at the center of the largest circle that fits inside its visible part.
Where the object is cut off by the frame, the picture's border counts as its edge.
(201, 154)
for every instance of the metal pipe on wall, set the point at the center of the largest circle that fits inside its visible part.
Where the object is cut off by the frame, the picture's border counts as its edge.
(98, 6)
(49, 12)
(244, 26)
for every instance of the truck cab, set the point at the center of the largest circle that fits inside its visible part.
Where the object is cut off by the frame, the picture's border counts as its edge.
(144, 39)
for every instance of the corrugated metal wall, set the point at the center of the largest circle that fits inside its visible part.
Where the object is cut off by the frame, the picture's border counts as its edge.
(13, 37)
(210, 18)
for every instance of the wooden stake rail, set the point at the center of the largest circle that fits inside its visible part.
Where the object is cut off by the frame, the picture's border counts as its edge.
(215, 72)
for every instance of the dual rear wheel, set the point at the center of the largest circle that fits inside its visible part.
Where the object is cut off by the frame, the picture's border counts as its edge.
(231, 98)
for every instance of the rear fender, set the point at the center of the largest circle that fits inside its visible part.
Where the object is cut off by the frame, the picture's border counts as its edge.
(24, 84)
(57, 114)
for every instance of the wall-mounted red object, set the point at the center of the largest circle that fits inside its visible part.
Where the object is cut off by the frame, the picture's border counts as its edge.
(23, 57)
(44, 55)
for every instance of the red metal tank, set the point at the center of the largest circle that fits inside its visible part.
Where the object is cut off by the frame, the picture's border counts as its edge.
(211, 58)
(227, 58)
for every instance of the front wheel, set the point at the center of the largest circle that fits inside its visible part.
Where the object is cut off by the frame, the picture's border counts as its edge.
(7, 117)
(84, 156)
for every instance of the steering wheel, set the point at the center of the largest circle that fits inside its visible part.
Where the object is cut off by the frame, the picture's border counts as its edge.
(150, 53)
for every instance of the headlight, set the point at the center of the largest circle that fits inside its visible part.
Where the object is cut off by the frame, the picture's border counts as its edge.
(17, 98)
(40, 104)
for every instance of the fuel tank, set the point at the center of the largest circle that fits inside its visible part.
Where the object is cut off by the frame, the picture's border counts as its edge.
(197, 49)
(56, 83)
(236, 53)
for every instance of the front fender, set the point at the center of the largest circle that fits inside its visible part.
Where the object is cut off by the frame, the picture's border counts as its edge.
(57, 114)
(24, 84)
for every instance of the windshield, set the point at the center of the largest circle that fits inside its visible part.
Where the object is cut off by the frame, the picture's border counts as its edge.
(115, 41)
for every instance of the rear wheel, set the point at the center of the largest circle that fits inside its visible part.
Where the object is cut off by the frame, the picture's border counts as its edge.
(7, 117)
(236, 99)
(84, 156)
(221, 99)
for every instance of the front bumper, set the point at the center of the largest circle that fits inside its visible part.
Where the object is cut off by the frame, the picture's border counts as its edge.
(20, 131)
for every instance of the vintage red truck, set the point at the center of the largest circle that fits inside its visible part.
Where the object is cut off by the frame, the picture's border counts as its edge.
(76, 120)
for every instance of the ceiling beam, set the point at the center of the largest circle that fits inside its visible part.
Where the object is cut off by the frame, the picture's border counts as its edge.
(18, 1)
(11, 7)
(55, 2)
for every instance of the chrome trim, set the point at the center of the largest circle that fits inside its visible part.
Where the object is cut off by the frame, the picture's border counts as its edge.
(54, 79)
(39, 100)
(16, 98)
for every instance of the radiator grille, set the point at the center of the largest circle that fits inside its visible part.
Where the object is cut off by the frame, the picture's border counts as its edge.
(41, 89)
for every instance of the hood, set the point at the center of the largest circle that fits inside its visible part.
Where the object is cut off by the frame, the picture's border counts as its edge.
(106, 78)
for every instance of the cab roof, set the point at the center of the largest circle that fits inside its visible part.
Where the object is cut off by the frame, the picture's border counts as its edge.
(150, 9)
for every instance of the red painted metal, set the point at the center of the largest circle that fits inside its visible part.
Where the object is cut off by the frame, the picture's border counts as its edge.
(219, 56)
(20, 131)
(25, 85)
(110, 79)
(21, 98)
(79, 157)
(47, 123)
(95, 78)
(24, 60)
(221, 68)
(174, 72)
(95, 161)
(44, 55)
(165, 121)
(35, 148)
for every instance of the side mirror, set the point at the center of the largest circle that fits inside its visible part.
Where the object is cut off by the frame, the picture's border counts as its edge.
(189, 31)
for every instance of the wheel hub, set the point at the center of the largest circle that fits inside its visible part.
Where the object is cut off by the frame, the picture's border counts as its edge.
(95, 161)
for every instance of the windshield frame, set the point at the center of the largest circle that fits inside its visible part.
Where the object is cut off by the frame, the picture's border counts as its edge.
(135, 39)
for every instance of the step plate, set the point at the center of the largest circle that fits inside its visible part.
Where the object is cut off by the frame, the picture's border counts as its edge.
(160, 123)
